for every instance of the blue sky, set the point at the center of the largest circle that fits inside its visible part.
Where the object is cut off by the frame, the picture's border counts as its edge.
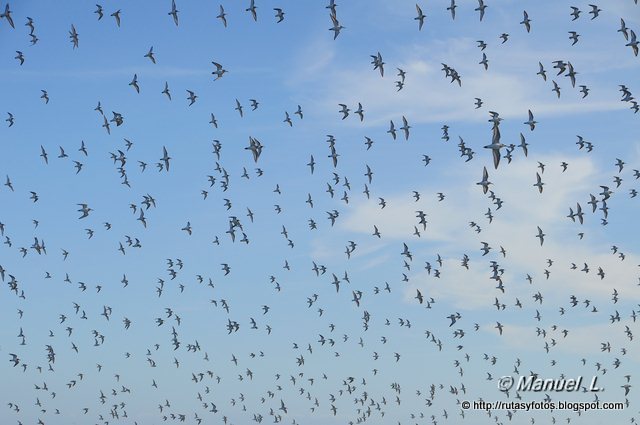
(283, 65)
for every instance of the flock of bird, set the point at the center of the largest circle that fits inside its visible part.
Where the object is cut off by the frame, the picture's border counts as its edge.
(358, 332)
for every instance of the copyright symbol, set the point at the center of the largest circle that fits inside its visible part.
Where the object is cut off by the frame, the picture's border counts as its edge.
(505, 383)
(466, 405)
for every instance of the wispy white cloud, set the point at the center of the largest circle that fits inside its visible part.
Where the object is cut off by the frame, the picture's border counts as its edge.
(514, 227)
(312, 62)
(429, 97)
(510, 85)
(582, 340)
(154, 72)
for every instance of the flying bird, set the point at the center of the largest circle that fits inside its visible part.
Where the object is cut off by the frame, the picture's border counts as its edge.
(526, 21)
(392, 130)
(150, 55)
(481, 8)
(222, 16)
(252, 9)
(405, 128)
(255, 147)
(165, 158)
(134, 83)
(166, 90)
(73, 35)
(539, 182)
(633, 43)
(573, 36)
(279, 14)
(336, 28)
(7, 15)
(452, 9)
(495, 147)
(540, 235)
(85, 210)
(116, 16)
(575, 12)
(174, 12)
(192, 97)
(420, 17)
(219, 72)
(531, 122)
(20, 57)
(485, 181)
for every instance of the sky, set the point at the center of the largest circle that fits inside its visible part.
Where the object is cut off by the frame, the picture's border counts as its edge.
(306, 353)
